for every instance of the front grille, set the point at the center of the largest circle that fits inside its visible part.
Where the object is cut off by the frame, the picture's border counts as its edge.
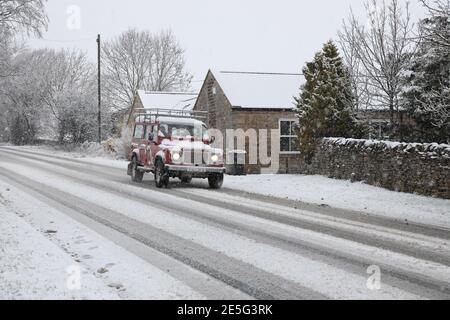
(195, 157)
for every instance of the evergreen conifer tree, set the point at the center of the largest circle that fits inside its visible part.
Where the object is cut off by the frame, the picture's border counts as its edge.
(324, 107)
(426, 91)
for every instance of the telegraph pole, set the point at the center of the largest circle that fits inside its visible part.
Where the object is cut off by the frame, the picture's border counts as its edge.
(99, 118)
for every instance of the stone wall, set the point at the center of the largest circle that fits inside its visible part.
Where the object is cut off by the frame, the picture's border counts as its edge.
(414, 168)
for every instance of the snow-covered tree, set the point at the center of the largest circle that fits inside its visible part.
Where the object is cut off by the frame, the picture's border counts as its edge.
(23, 16)
(71, 95)
(22, 97)
(383, 47)
(360, 84)
(437, 10)
(426, 92)
(142, 60)
(324, 107)
(8, 48)
(53, 94)
(18, 16)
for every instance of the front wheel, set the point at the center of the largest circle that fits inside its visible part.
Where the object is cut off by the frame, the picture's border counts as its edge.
(161, 179)
(136, 175)
(186, 179)
(215, 181)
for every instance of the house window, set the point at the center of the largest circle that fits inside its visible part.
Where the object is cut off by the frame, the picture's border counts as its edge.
(288, 136)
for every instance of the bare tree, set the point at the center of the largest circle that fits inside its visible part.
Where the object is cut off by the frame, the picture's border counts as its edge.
(359, 82)
(52, 96)
(383, 48)
(23, 15)
(125, 66)
(9, 47)
(141, 60)
(69, 93)
(22, 97)
(18, 16)
(167, 64)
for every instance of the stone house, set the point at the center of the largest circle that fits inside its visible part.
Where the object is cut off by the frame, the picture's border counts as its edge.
(247, 100)
(250, 101)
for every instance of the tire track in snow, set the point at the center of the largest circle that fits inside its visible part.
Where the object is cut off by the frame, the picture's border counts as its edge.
(381, 237)
(261, 235)
(240, 275)
(118, 174)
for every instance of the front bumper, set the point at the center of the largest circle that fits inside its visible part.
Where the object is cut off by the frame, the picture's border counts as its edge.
(195, 169)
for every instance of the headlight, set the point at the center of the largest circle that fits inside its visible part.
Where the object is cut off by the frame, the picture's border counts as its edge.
(216, 156)
(176, 156)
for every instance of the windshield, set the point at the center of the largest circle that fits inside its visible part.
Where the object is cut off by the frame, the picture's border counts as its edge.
(183, 131)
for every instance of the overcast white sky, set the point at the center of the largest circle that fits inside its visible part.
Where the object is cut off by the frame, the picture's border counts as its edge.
(244, 35)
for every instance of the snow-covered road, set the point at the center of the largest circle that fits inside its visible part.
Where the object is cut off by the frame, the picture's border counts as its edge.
(134, 241)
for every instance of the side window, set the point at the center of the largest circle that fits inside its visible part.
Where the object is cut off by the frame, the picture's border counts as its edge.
(149, 130)
(138, 131)
(155, 132)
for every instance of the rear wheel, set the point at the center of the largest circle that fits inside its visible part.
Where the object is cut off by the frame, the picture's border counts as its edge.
(215, 181)
(136, 174)
(161, 178)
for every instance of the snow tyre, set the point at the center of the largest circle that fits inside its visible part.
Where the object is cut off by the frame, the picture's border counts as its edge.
(161, 178)
(136, 175)
(215, 181)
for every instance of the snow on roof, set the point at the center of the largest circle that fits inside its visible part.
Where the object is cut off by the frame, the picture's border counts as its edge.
(168, 100)
(259, 90)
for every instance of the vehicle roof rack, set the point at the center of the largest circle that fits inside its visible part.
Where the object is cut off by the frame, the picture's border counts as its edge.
(152, 115)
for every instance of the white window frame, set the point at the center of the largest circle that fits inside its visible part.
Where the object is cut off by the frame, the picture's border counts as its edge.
(287, 136)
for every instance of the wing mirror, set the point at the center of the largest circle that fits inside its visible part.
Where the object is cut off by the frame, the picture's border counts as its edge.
(209, 140)
(151, 136)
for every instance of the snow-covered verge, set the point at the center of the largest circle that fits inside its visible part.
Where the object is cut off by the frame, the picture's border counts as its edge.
(45, 254)
(347, 195)
(108, 149)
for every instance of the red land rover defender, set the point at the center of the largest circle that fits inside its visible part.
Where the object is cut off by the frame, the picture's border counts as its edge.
(174, 144)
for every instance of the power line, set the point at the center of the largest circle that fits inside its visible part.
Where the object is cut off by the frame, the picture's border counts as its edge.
(67, 41)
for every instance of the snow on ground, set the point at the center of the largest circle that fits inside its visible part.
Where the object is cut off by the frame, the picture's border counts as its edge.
(327, 279)
(40, 248)
(32, 267)
(318, 190)
(347, 195)
(93, 155)
(31, 229)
